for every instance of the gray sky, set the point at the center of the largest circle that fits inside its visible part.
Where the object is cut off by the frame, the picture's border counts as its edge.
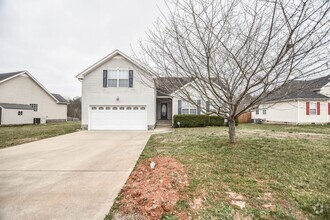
(57, 39)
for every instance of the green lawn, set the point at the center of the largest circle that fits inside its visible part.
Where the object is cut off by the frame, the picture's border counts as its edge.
(13, 135)
(279, 171)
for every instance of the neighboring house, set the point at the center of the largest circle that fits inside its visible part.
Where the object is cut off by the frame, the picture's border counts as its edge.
(23, 100)
(300, 102)
(119, 94)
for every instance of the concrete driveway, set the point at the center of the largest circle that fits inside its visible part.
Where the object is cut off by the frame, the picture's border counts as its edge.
(74, 176)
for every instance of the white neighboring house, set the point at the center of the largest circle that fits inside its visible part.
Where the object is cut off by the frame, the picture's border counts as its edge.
(23, 100)
(304, 102)
(119, 94)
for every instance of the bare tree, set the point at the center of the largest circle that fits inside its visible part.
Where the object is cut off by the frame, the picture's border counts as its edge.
(74, 107)
(237, 52)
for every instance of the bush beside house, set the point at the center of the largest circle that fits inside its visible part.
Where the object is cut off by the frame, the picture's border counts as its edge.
(197, 121)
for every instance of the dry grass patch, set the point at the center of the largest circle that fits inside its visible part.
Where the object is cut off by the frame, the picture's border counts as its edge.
(273, 172)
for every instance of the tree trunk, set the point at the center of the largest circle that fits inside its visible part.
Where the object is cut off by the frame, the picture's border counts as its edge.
(232, 131)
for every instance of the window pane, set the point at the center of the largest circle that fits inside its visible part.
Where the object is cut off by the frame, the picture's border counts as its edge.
(123, 83)
(112, 83)
(193, 111)
(112, 74)
(185, 111)
(313, 111)
(34, 106)
(123, 74)
(313, 108)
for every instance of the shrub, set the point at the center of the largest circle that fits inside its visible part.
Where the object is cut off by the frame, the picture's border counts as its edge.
(191, 120)
(216, 121)
(197, 121)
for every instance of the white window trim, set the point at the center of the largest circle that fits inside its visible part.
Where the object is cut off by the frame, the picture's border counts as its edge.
(190, 107)
(117, 70)
(310, 108)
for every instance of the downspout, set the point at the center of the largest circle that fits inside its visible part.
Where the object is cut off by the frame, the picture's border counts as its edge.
(298, 108)
(328, 112)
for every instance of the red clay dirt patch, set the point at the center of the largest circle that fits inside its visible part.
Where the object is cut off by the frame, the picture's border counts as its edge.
(153, 192)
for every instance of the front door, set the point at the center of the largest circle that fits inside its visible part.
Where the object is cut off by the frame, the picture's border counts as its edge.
(163, 111)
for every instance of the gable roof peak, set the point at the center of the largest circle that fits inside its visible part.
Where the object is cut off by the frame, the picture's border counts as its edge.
(8, 76)
(106, 59)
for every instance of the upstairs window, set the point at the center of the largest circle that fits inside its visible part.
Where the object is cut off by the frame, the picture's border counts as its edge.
(123, 78)
(112, 78)
(118, 78)
(35, 107)
(20, 113)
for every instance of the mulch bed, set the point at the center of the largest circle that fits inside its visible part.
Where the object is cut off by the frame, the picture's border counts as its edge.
(152, 193)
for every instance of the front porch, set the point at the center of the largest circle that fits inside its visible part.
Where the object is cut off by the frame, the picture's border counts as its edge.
(164, 111)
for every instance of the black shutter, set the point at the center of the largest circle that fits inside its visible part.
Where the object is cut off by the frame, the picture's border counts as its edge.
(179, 106)
(207, 106)
(130, 79)
(105, 78)
(198, 107)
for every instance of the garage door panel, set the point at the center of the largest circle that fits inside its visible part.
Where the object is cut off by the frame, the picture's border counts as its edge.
(118, 119)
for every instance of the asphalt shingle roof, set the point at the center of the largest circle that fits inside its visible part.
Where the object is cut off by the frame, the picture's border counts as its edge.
(15, 106)
(301, 89)
(168, 85)
(4, 76)
(60, 98)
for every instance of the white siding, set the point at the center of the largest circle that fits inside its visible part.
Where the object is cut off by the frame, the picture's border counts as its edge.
(292, 112)
(23, 90)
(325, 90)
(93, 92)
(194, 95)
(322, 118)
(11, 117)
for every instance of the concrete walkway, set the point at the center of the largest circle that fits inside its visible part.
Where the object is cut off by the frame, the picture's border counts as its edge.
(74, 176)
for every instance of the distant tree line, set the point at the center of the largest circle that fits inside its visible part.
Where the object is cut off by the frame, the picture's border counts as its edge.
(74, 107)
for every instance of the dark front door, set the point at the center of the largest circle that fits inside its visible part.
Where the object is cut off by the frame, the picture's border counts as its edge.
(163, 111)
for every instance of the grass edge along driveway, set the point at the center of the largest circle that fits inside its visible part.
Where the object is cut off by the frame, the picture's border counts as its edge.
(14, 135)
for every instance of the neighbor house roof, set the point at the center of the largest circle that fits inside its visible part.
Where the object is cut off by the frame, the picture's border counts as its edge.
(106, 59)
(301, 89)
(8, 76)
(60, 98)
(15, 106)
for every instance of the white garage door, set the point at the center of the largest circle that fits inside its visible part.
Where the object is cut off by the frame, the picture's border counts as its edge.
(118, 118)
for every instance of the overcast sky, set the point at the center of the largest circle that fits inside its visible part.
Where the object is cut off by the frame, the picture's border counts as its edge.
(57, 39)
